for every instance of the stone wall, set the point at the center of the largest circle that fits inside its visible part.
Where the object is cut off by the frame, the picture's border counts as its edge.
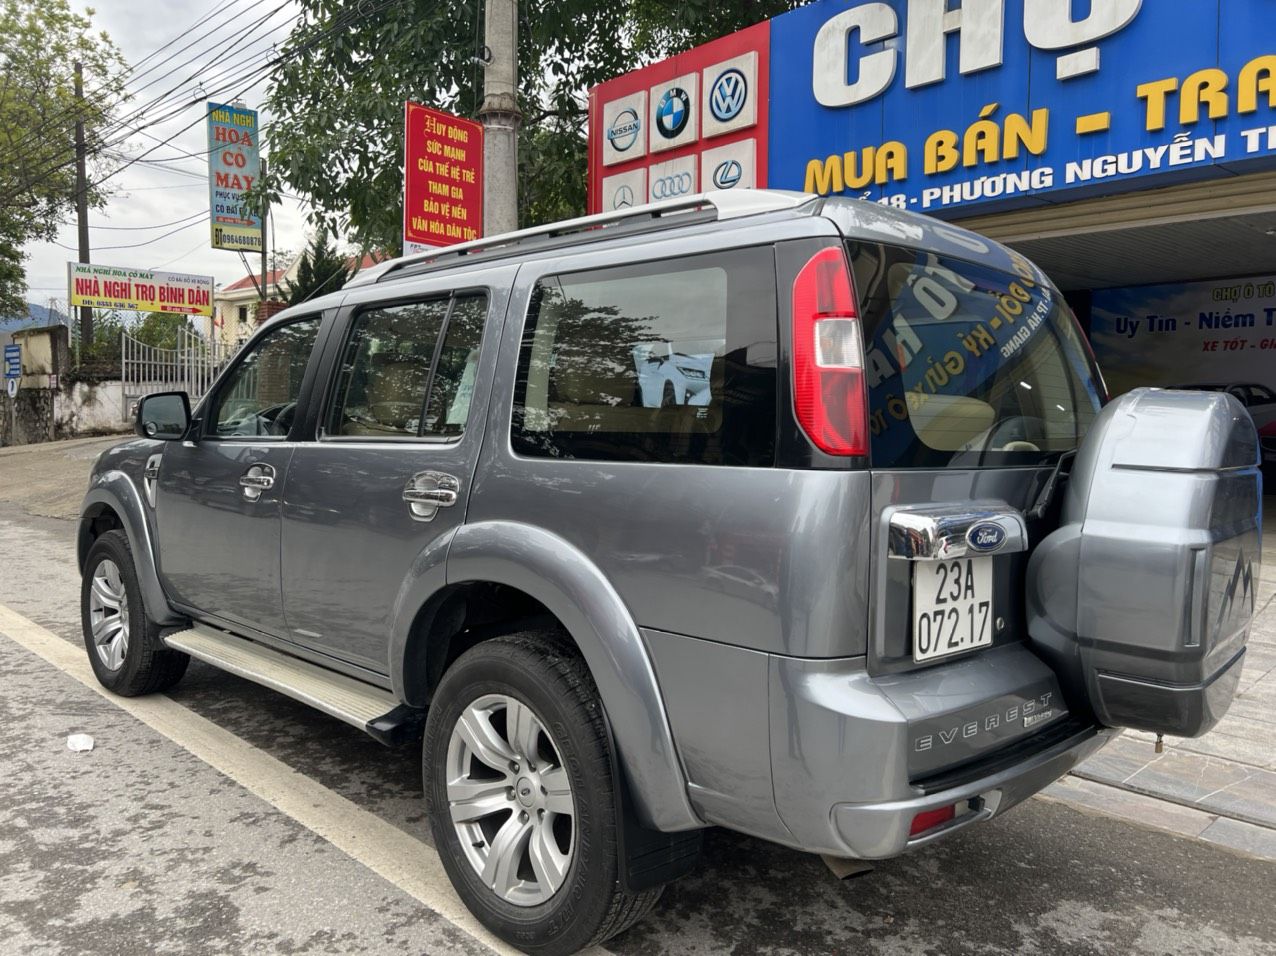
(29, 418)
(90, 409)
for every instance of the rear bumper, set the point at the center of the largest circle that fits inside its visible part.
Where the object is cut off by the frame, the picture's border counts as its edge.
(856, 758)
(875, 831)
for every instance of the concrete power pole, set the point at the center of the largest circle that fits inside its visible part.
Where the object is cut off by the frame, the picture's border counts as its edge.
(82, 198)
(501, 117)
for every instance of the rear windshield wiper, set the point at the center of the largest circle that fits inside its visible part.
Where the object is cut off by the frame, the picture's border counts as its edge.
(1047, 492)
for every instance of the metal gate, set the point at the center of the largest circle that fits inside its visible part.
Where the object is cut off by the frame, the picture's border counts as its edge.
(191, 367)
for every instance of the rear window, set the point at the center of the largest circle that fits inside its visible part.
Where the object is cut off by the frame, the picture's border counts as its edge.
(968, 366)
(671, 361)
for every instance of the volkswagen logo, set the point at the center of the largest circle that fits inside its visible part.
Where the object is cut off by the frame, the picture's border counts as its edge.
(666, 187)
(673, 112)
(624, 129)
(728, 173)
(986, 536)
(728, 95)
(622, 197)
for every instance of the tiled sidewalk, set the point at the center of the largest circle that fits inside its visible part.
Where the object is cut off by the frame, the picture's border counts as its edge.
(1230, 773)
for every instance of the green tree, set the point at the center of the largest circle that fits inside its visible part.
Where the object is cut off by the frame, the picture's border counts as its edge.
(322, 269)
(161, 329)
(337, 101)
(39, 42)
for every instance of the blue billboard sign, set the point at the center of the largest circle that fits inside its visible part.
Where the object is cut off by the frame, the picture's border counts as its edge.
(951, 108)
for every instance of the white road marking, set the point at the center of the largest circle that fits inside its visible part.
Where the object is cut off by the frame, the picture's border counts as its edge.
(408, 863)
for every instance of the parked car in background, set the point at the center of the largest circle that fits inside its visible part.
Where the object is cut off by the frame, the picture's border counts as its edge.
(1260, 402)
(897, 568)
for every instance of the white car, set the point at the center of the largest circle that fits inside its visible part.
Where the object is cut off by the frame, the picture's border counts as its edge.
(672, 378)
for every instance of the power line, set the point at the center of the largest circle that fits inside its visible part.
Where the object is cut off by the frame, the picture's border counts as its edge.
(115, 85)
(158, 225)
(138, 245)
(337, 22)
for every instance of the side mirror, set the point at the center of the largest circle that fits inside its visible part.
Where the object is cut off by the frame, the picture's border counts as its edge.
(165, 415)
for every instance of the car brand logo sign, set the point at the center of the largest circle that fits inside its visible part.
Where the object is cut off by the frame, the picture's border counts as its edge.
(673, 112)
(986, 537)
(729, 94)
(727, 173)
(623, 197)
(624, 129)
(676, 184)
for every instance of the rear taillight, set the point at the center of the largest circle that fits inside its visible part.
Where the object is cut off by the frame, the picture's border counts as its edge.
(828, 356)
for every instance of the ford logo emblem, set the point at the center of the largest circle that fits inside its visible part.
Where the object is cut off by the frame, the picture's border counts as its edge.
(986, 536)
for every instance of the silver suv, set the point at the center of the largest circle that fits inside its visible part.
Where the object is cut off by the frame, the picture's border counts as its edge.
(892, 567)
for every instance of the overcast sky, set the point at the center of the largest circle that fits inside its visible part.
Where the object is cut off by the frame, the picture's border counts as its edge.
(151, 193)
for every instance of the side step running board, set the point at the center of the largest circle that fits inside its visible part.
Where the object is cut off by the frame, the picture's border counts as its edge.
(371, 709)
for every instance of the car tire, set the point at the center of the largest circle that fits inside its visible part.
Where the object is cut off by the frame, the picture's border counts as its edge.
(123, 643)
(540, 674)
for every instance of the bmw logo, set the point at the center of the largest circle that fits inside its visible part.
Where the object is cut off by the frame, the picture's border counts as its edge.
(624, 129)
(727, 173)
(622, 198)
(728, 95)
(986, 536)
(673, 112)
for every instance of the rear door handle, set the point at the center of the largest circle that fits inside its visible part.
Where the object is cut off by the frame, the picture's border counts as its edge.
(257, 479)
(428, 491)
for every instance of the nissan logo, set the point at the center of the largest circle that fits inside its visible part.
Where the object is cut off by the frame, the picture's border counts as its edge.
(986, 536)
(624, 129)
(666, 187)
(727, 173)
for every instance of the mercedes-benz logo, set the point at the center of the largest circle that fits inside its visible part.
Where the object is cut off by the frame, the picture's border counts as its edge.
(622, 197)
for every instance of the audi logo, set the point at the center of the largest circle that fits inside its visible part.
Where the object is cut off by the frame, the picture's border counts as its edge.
(666, 187)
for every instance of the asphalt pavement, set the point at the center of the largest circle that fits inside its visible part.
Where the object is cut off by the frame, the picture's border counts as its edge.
(225, 818)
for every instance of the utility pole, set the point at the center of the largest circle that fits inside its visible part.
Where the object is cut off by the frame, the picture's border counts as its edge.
(82, 199)
(501, 117)
(265, 210)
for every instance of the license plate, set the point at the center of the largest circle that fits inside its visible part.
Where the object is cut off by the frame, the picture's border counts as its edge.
(952, 607)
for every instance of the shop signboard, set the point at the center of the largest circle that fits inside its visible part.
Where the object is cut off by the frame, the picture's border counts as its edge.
(442, 178)
(138, 290)
(234, 165)
(952, 109)
(1220, 333)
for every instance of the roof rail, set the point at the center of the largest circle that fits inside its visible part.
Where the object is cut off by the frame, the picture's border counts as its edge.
(727, 203)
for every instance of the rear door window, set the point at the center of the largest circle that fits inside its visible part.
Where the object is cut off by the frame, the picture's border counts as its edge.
(407, 370)
(968, 366)
(671, 361)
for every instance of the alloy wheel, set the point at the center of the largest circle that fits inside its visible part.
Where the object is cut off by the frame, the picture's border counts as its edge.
(510, 799)
(109, 614)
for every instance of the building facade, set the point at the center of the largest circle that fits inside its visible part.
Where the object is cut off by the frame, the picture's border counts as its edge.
(1126, 146)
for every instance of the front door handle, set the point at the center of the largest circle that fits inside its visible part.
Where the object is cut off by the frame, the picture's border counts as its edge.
(428, 491)
(257, 479)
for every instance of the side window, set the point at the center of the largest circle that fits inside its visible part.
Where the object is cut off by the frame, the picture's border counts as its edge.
(453, 385)
(670, 361)
(260, 396)
(397, 380)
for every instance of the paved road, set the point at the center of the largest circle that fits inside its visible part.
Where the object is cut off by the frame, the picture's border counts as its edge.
(225, 818)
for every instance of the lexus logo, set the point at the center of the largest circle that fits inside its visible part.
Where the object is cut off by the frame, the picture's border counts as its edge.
(673, 112)
(727, 173)
(624, 129)
(729, 94)
(666, 187)
(623, 197)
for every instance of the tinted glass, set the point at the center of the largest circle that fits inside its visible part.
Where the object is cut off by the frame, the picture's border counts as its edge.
(385, 370)
(260, 396)
(968, 366)
(671, 361)
(453, 385)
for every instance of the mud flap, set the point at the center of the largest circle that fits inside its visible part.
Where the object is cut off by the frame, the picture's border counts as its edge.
(1142, 599)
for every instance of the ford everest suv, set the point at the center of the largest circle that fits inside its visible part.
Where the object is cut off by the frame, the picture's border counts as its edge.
(895, 567)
